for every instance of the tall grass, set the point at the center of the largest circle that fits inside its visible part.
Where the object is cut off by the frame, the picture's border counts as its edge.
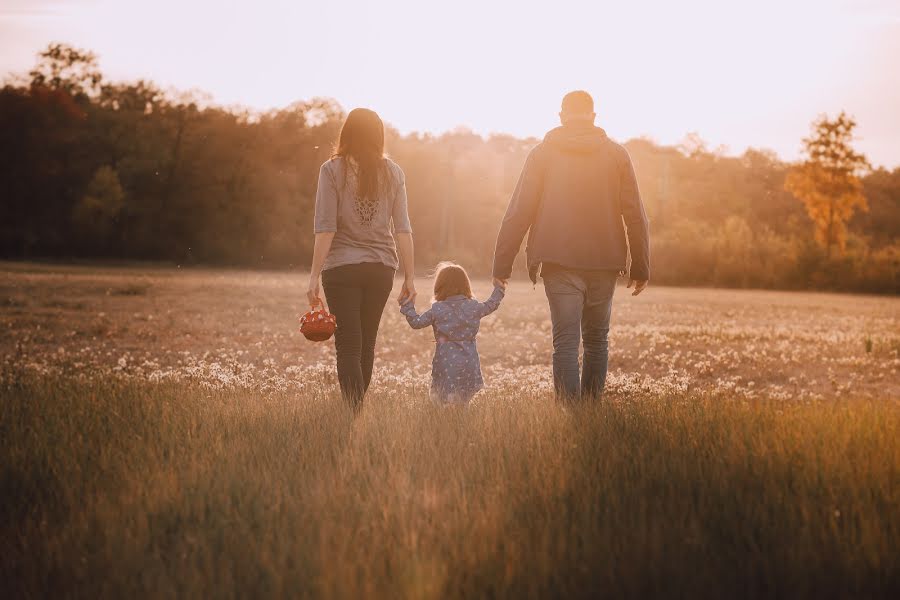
(128, 489)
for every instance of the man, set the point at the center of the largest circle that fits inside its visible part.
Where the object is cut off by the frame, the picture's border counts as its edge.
(576, 191)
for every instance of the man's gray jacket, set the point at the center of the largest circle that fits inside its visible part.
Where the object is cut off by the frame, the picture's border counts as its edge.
(577, 197)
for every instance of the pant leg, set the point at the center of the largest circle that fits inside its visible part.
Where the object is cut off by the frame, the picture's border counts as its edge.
(601, 286)
(378, 281)
(565, 294)
(344, 296)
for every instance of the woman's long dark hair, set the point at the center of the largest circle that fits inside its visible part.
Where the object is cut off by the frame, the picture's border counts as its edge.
(362, 139)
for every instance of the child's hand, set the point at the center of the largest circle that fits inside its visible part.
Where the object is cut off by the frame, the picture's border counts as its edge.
(501, 283)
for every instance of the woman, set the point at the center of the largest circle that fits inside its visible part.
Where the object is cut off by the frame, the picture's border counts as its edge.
(361, 224)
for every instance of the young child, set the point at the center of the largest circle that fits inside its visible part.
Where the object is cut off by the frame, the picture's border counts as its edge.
(455, 316)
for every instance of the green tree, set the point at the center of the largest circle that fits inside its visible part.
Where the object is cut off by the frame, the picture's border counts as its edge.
(96, 214)
(828, 181)
(66, 68)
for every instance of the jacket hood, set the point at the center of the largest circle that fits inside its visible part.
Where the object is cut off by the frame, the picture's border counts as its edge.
(577, 139)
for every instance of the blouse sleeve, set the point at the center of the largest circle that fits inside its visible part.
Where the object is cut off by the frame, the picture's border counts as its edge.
(326, 201)
(400, 214)
(415, 320)
(491, 304)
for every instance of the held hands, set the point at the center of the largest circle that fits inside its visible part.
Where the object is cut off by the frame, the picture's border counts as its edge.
(501, 283)
(407, 292)
(638, 284)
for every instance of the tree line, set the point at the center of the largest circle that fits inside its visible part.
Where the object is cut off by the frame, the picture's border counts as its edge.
(97, 169)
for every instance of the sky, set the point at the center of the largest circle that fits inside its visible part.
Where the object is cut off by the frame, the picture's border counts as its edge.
(738, 73)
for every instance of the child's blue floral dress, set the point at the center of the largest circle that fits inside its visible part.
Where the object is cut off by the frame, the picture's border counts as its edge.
(456, 368)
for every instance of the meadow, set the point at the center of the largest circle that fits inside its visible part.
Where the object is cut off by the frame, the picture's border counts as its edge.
(168, 432)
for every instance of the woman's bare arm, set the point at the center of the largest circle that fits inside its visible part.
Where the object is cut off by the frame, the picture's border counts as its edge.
(320, 251)
(408, 264)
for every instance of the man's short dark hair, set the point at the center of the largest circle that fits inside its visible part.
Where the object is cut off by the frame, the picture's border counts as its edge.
(578, 102)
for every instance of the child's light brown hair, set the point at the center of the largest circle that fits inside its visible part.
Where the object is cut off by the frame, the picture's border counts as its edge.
(450, 279)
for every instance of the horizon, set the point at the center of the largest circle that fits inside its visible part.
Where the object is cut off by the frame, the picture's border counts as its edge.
(718, 82)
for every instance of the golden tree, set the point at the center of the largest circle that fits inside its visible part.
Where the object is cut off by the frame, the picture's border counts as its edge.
(827, 182)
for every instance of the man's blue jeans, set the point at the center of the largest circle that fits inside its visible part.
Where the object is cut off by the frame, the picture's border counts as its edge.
(580, 308)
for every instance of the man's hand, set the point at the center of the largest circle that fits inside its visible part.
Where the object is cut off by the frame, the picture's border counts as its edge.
(407, 292)
(501, 283)
(638, 285)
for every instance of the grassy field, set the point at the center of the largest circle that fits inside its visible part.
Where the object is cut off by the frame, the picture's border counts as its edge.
(168, 432)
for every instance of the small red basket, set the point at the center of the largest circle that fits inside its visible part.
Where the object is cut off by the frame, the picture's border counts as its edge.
(318, 325)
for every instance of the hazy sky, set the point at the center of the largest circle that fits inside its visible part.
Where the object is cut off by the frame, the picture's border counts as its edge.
(748, 73)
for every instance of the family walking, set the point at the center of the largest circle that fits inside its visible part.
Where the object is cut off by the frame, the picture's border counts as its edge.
(577, 199)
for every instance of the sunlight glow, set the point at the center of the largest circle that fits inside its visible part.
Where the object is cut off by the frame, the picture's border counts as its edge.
(738, 73)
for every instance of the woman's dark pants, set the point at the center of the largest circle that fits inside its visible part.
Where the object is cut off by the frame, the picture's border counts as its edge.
(356, 295)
